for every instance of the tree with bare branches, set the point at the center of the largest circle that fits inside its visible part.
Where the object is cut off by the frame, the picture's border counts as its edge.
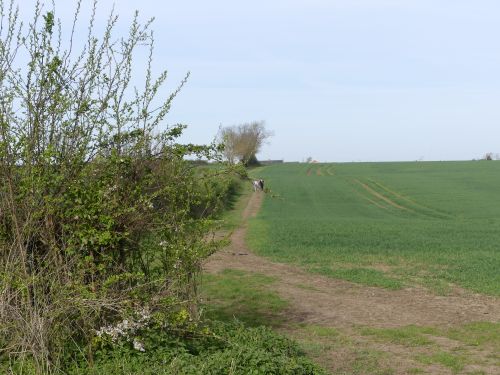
(243, 142)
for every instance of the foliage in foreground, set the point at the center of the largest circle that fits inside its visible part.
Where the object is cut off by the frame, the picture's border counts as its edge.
(218, 349)
(102, 220)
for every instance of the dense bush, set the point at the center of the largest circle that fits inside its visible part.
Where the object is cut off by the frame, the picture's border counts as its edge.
(101, 218)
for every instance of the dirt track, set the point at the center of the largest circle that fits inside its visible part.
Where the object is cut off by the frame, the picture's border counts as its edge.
(328, 302)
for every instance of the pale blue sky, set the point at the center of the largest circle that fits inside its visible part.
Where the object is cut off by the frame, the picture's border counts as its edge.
(345, 80)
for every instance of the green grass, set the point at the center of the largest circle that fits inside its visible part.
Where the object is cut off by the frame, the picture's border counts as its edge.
(324, 343)
(481, 334)
(430, 223)
(238, 201)
(243, 296)
(410, 336)
(454, 362)
(229, 348)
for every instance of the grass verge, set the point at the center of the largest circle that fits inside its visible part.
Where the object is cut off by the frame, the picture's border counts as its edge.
(410, 336)
(233, 294)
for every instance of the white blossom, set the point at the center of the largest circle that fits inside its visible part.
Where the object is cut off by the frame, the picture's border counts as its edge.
(138, 345)
(127, 328)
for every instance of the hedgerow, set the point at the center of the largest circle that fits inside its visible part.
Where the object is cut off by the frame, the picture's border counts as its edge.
(101, 216)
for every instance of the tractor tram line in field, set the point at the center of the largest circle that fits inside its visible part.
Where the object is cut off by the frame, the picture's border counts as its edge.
(375, 203)
(318, 171)
(416, 205)
(382, 197)
(331, 171)
(387, 198)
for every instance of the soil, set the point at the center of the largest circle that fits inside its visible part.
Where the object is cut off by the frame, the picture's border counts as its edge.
(324, 301)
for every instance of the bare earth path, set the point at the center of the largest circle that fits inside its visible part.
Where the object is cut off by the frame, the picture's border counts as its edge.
(319, 300)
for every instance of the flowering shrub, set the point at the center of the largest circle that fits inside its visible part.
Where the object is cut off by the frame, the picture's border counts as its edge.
(100, 213)
(126, 329)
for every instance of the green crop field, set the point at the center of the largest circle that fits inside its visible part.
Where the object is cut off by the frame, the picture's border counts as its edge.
(435, 224)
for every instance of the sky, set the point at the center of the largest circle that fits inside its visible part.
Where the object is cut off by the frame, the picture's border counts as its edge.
(335, 80)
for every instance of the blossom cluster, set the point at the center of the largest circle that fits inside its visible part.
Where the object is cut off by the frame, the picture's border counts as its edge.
(126, 329)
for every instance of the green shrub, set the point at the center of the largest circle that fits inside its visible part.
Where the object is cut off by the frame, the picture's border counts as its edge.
(101, 217)
(216, 349)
